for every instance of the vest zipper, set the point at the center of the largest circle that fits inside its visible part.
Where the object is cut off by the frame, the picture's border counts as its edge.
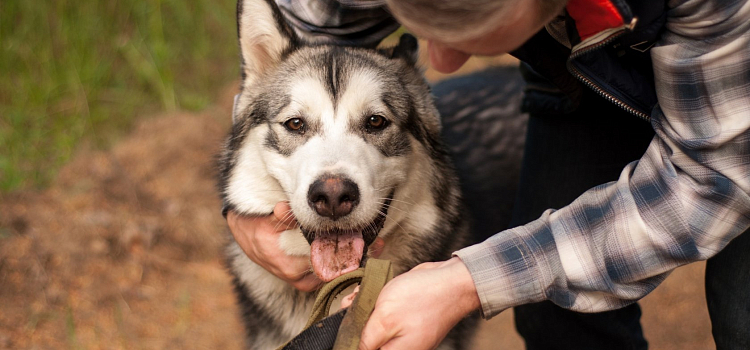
(586, 81)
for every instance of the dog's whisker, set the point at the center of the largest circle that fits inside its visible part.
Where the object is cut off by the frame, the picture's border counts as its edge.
(385, 215)
(286, 219)
(270, 190)
(372, 226)
(283, 220)
(385, 204)
(287, 215)
(399, 201)
(394, 207)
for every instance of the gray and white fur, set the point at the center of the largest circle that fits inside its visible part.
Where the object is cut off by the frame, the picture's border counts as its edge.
(310, 113)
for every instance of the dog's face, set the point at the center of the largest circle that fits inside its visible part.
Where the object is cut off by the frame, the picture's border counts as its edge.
(336, 148)
(330, 129)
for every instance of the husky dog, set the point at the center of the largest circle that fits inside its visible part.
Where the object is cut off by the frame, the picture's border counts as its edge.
(350, 138)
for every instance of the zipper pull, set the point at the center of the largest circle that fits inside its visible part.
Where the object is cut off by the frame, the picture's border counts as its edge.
(632, 24)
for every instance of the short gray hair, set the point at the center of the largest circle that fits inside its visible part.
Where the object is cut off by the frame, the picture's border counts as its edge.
(461, 19)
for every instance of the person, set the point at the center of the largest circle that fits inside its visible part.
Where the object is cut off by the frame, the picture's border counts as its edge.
(680, 193)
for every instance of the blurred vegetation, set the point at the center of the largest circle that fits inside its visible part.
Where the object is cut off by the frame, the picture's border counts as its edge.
(73, 71)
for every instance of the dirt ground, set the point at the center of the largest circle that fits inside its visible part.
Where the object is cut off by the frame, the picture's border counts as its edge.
(123, 252)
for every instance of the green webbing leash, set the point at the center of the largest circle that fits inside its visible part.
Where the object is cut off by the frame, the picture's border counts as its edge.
(373, 276)
(377, 274)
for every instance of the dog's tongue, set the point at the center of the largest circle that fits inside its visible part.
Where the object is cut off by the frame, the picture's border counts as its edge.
(337, 253)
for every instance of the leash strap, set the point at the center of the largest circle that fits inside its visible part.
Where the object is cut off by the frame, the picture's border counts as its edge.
(377, 274)
(328, 293)
(321, 331)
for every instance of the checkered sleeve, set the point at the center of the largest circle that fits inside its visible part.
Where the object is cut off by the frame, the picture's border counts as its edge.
(341, 22)
(683, 201)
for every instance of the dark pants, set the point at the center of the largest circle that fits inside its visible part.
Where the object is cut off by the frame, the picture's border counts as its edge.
(565, 155)
(728, 294)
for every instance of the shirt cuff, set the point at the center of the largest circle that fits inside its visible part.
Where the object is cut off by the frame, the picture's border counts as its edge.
(504, 272)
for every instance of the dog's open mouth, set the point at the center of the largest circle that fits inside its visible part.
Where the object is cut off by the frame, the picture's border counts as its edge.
(338, 251)
(335, 253)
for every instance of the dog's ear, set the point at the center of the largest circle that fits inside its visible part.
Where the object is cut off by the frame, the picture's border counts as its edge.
(264, 37)
(407, 48)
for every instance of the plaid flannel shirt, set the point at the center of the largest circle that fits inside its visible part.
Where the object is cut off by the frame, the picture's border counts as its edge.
(683, 201)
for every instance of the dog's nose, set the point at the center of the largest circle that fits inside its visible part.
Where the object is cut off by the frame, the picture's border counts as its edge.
(333, 196)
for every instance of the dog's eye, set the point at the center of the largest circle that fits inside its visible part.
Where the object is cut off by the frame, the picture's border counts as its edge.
(376, 122)
(295, 124)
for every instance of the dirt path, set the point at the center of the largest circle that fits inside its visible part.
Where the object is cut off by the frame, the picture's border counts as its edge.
(123, 252)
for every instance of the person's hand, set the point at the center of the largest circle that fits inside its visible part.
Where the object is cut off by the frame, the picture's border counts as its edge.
(417, 309)
(258, 237)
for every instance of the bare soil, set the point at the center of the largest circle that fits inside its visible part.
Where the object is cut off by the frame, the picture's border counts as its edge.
(123, 252)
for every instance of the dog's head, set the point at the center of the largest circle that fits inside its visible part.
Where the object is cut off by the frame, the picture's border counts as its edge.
(331, 129)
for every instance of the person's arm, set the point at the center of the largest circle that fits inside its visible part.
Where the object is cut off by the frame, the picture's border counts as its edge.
(683, 201)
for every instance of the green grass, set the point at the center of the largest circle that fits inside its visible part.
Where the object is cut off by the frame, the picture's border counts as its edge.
(73, 71)
(70, 330)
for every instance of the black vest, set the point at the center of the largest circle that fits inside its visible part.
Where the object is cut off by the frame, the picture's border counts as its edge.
(614, 61)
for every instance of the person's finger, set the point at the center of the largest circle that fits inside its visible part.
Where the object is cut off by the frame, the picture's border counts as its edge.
(295, 270)
(374, 334)
(310, 282)
(349, 299)
(376, 248)
(291, 268)
(426, 265)
(283, 219)
(233, 220)
(445, 59)
(400, 343)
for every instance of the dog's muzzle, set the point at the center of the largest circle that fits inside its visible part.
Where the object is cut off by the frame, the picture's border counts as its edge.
(336, 251)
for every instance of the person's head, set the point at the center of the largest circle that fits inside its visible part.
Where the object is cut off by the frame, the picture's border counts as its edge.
(456, 29)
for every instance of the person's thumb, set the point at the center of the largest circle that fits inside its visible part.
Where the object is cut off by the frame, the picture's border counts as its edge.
(283, 218)
(374, 335)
